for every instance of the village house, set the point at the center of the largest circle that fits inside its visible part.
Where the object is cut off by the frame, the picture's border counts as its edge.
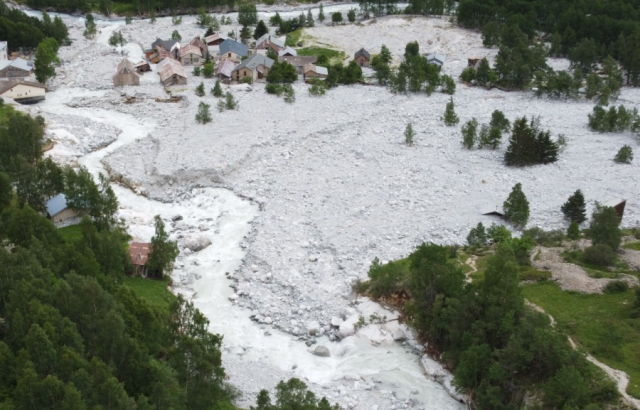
(15, 68)
(191, 55)
(139, 252)
(4, 48)
(287, 51)
(197, 42)
(224, 70)
(362, 57)
(298, 62)
(436, 58)
(267, 41)
(58, 210)
(22, 91)
(142, 67)
(171, 72)
(255, 67)
(215, 39)
(125, 74)
(161, 49)
(232, 50)
(313, 71)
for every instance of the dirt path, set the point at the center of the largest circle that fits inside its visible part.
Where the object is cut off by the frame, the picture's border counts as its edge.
(569, 276)
(472, 262)
(618, 376)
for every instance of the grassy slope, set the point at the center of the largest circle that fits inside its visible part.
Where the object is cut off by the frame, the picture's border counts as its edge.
(602, 324)
(156, 292)
(71, 233)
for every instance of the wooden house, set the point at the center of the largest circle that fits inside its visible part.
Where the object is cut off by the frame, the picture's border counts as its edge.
(22, 91)
(125, 74)
(362, 57)
(255, 67)
(299, 62)
(58, 210)
(18, 68)
(224, 71)
(139, 252)
(215, 39)
(313, 71)
(191, 55)
(161, 49)
(232, 50)
(287, 51)
(171, 72)
(142, 67)
(197, 42)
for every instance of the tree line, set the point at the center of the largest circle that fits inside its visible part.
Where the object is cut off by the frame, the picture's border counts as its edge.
(21, 30)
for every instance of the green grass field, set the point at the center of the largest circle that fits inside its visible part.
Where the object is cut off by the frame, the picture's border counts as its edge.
(633, 245)
(156, 292)
(602, 324)
(293, 38)
(71, 233)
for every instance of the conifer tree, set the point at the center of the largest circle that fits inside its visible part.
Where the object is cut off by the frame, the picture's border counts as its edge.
(604, 227)
(200, 90)
(409, 134)
(163, 251)
(128, 19)
(450, 116)
(499, 121)
(230, 102)
(516, 207)
(176, 35)
(90, 26)
(203, 115)
(574, 209)
(470, 133)
(624, 156)
(216, 91)
(529, 145)
(477, 236)
(321, 13)
(261, 29)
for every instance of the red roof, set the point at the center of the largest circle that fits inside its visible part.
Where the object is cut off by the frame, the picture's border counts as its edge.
(139, 252)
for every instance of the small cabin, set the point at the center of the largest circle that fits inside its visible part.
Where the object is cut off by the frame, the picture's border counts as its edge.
(58, 210)
(362, 57)
(139, 252)
(125, 74)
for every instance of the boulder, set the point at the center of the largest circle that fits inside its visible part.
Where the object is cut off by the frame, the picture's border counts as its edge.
(176, 218)
(336, 321)
(196, 242)
(321, 351)
(313, 327)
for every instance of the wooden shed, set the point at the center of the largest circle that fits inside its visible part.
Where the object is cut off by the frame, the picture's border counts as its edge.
(139, 252)
(125, 74)
(143, 67)
(58, 210)
(362, 57)
(171, 72)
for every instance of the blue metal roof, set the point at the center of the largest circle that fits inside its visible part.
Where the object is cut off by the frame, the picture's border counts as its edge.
(234, 47)
(56, 204)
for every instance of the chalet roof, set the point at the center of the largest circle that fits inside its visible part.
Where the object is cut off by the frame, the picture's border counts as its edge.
(316, 69)
(287, 50)
(198, 43)
(139, 252)
(254, 61)
(142, 63)
(7, 85)
(190, 48)
(166, 44)
(298, 61)
(614, 202)
(56, 204)
(492, 210)
(226, 67)
(275, 40)
(436, 58)
(17, 63)
(125, 66)
(234, 47)
(214, 37)
(169, 67)
(362, 52)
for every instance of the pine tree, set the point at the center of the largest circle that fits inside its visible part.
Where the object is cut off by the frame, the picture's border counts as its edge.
(203, 115)
(230, 102)
(490, 137)
(90, 27)
(477, 236)
(216, 91)
(574, 209)
(321, 13)
(310, 21)
(351, 15)
(624, 156)
(530, 145)
(245, 34)
(547, 148)
(152, 16)
(516, 207)
(409, 134)
(163, 251)
(573, 232)
(604, 227)
(470, 133)
(208, 69)
(450, 116)
(499, 121)
(175, 35)
(261, 30)
(200, 90)
(196, 71)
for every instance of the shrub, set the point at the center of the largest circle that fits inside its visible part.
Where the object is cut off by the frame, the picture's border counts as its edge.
(230, 102)
(616, 286)
(601, 255)
(318, 87)
(499, 233)
(203, 115)
(545, 238)
(498, 120)
(470, 133)
(448, 85)
(604, 227)
(624, 156)
(196, 71)
(409, 133)
(450, 117)
(384, 278)
(534, 275)
(477, 236)
(208, 70)
(468, 75)
(216, 91)
(489, 137)
(200, 90)
(573, 232)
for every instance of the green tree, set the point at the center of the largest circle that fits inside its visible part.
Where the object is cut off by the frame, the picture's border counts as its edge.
(567, 389)
(450, 117)
(573, 232)
(197, 71)
(604, 227)
(409, 134)
(468, 75)
(261, 29)
(470, 133)
(448, 85)
(289, 93)
(163, 251)
(336, 17)
(498, 120)
(584, 55)
(247, 14)
(477, 236)
(412, 49)
(485, 76)
(216, 91)
(351, 15)
(204, 18)
(152, 16)
(491, 34)
(530, 145)
(282, 72)
(516, 207)
(175, 35)
(208, 69)
(175, 19)
(321, 16)
(624, 155)
(203, 115)
(6, 191)
(516, 60)
(574, 209)
(230, 102)
(310, 21)
(90, 26)
(46, 60)
(490, 137)
(116, 39)
(200, 90)
(245, 34)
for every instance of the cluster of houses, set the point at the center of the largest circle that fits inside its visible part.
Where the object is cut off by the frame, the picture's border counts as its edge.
(234, 61)
(16, 78)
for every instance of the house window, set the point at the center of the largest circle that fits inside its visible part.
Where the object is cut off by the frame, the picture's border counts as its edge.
(195, 60)
(229, 54)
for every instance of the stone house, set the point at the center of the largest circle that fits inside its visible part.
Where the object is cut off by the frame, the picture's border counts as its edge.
(313, 71)
(161, 49)
(232, 50)
(197, 42)
(298, 62)
(58, 211)
(255, 67)
(18, 68)
(362, 57)
(287, 51)
(22, 91)
(191, 55)
(267, 41)
(171, 72)
(125, 74)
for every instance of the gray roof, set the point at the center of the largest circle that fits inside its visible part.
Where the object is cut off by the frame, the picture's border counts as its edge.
(288, 50)
(254, 61)
(17, 63)
(56, 204)
(436, 58)
(275, 40)
(233, 46)
(167, 44)
(363, 52)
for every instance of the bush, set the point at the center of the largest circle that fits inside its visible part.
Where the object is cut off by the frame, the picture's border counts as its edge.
(318, 87)
(450, 116)
(601, 255)
(470, 133)
(468, 75)
(616, 286)
(545, 238)
(534, 275)
(477, 236)
(499, 233)
(384, 279)
(203, 115)
(573, 232)
(624, 156)
(604, 227)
